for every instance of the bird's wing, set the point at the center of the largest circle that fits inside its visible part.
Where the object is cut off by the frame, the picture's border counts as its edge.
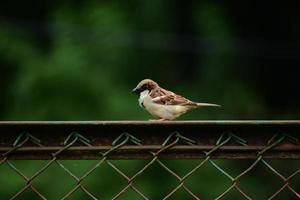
(165, 97)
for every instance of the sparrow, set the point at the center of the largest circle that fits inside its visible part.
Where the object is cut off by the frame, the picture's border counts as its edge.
(164, 104)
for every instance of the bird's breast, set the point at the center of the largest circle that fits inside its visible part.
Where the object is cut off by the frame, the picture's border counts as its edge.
(163, 111)
(143, 96)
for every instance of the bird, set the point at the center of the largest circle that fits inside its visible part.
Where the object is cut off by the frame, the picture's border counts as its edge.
(163, 104)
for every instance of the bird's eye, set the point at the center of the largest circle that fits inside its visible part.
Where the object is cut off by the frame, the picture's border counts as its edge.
(145, 87)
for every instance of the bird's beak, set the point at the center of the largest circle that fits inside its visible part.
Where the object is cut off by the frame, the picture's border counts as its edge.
(134, 90)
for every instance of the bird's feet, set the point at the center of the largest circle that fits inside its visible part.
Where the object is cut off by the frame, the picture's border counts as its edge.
(158, 120)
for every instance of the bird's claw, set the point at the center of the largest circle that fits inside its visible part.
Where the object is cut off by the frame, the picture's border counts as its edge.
(157, 120)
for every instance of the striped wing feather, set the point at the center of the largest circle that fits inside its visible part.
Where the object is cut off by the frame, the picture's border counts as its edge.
(165, 97)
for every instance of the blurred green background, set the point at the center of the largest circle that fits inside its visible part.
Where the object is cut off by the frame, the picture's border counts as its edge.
(67, 60)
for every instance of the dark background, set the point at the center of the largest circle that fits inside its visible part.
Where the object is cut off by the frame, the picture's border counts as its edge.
(78, 60)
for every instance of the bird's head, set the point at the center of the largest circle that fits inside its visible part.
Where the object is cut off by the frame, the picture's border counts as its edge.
(146, 84)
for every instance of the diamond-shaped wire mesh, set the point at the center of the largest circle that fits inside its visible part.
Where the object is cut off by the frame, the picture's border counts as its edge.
(153, 178)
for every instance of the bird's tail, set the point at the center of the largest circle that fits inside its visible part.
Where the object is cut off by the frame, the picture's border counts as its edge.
(207, 105)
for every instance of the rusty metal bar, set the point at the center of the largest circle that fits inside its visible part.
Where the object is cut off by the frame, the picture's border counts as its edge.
(258, 135)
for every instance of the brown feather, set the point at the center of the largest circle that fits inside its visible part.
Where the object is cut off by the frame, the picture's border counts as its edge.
(165, 97)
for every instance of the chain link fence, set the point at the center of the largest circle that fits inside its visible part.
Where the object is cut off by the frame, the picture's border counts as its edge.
(174, 152)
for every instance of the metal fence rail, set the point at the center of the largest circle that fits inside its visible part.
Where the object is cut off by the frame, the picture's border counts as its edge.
(155, 142)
